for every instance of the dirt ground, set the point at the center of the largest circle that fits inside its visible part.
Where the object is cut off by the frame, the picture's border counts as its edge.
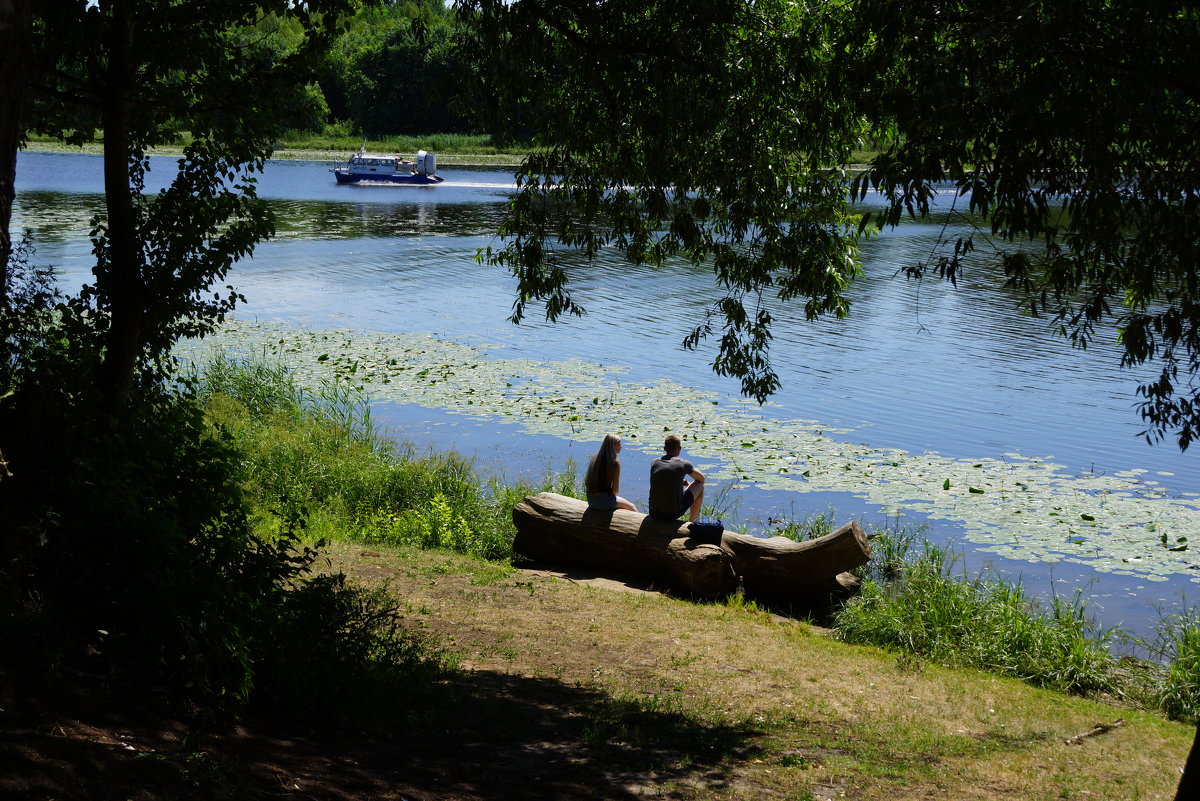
(569, 689)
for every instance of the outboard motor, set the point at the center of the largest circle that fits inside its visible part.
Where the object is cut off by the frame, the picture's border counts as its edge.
(426, 163)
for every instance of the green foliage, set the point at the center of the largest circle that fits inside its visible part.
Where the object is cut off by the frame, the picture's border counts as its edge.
(28, 321)
(340, 137)
(128, 551)
(337, 651)
(394, 72)
(124, 536)
(1179, 645)
(912, 602)
(143, 74)
(810, 527)
(720, 134)
(1070, 129)
(317, 457)
(697, 133)
(983, 623)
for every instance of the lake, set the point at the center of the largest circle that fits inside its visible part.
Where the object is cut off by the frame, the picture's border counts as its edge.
(932, 405)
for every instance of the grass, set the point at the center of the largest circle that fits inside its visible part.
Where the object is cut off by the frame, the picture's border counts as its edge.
(648, 694)
(452, 149)
(336, 141)
(316, 457)
(440, 143)
(1178, 645)
(644, 693)
(914, 603)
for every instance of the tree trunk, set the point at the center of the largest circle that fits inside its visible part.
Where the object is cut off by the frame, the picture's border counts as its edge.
(15, 37)
(122, 286)
(560, 530)
(1189, 783)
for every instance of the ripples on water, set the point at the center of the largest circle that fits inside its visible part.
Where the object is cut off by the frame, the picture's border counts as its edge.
(917, 366)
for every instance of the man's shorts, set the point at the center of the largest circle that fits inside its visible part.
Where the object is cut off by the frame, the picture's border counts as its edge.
(685, 501)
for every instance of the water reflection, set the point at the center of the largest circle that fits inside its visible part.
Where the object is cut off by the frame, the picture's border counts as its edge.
(56, 217)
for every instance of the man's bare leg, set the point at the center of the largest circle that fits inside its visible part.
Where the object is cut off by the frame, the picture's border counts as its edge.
(697, 500)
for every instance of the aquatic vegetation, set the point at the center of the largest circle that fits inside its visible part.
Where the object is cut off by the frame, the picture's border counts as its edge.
(1012, 505)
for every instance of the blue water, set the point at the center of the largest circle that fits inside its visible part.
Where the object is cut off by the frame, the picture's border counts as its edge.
(917, 366)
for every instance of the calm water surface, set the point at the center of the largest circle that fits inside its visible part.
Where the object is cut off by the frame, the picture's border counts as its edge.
(917, 366)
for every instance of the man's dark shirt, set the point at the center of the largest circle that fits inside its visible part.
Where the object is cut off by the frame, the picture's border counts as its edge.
(666, 485)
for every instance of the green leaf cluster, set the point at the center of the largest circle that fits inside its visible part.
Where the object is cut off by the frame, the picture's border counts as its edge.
(718, 135)
(694, 134)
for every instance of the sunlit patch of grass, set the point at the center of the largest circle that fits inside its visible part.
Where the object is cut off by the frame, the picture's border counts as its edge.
(316, 456)
(738, 603)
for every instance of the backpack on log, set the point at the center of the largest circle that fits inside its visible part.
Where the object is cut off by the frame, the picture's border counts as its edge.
(555, 529)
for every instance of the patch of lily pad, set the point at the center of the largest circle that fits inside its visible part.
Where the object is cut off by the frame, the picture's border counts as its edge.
(1014, 506)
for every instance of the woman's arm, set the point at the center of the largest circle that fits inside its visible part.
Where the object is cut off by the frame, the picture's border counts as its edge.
(616, 485)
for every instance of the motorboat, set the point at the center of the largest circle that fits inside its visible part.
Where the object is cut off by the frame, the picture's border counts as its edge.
(367, 168)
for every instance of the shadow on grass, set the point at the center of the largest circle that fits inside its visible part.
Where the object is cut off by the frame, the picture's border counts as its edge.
(492, 735)
(478, 735)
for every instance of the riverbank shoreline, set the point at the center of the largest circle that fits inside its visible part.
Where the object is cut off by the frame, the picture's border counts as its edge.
(289, 154)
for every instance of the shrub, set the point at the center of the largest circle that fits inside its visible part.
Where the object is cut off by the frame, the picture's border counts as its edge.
(338, 651)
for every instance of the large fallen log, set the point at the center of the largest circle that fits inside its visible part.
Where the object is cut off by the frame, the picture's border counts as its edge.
(563, 531)
(809, 571)
(559, 530)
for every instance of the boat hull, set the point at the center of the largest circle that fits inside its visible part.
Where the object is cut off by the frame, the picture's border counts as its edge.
(344, 176)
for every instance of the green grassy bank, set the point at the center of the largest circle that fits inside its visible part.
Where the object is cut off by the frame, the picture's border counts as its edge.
(317, 457)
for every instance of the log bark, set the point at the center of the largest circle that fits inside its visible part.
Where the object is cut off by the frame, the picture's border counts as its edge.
(559, 530)
(809, 571)
(563, 531)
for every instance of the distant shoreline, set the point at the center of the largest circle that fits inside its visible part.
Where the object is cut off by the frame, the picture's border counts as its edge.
(288, 154)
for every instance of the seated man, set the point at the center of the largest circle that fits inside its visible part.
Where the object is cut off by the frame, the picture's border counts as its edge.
(670, 492)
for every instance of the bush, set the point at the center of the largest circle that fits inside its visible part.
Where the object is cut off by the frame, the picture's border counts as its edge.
(128, 549)
(126, 531)
(338, 651)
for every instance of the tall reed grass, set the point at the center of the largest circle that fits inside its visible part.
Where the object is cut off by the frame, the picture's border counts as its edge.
(316, 456)
(980, 622)
(1177, 644)
(913, 601)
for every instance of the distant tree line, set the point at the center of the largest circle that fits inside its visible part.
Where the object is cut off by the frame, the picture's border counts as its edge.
(396, 71)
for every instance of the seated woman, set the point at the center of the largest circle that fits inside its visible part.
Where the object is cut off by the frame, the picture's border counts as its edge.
(603, 478)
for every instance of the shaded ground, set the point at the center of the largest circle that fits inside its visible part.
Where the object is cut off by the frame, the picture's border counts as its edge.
(574, 691)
